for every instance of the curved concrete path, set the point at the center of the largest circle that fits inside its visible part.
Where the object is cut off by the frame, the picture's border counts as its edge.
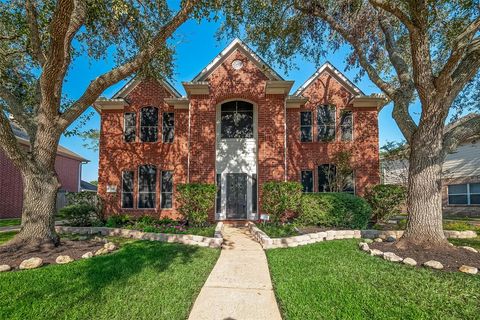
(239, 286)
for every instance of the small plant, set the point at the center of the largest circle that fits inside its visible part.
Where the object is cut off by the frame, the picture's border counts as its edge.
(80, 215)
(87, 198)
(458, 226)
(279, 230)
(117, 221)
(279, 198)
(386, 201)
(195, 201)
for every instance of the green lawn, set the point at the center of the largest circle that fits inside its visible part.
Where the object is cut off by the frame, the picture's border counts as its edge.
(335, 280)
(143, 280)
(474, 242)
(5, 236)
(278, 230)
(9, 222)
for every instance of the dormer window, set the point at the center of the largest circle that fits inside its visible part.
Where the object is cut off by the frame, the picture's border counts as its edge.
(237, 120)
(148, 124)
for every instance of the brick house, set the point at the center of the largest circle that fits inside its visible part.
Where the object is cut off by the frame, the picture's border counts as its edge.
(68, 166)
(238, 127)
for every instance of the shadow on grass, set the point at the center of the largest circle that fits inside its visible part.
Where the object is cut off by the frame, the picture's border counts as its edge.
(96, 286)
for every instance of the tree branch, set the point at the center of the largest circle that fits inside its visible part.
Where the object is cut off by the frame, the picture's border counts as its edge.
(16, 108)
(9, 143)
(104, 81)
(394, 10)
(462, 130)
(461, 45)
(35, 41)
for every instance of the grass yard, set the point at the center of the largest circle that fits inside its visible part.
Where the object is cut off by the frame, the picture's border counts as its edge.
(335, 280)
(5, 236)
(9, 222)
(474, 242)
(278, 230)
(143, 280)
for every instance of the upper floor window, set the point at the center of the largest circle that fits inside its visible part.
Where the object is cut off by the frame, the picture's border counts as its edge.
(148, 124)
(307, 180)
(237, 120)
(346, 125)
(147, 186)
(129, 126)
(326, 123)
(127, 189)
(306, 126)
(168, 128)
(466, 194)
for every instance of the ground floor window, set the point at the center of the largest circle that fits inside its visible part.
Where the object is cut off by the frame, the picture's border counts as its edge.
(147, 186)
(127, 189)
(329, 181)
(307, 180)
(167, 189)
(466, 194)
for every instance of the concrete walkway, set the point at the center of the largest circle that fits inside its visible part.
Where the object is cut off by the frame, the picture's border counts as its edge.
(239, 286)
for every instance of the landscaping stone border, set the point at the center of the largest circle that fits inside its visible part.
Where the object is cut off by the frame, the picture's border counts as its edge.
(301, 240)
(215, 242)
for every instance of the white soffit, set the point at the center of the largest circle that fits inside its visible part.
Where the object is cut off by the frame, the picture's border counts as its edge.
(237, 44)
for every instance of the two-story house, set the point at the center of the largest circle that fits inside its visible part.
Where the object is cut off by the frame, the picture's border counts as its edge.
(238, 127)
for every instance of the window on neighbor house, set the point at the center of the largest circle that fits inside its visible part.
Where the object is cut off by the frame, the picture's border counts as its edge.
(167, 190)
(148, 124)
(306, 126)
(127, 189)
(346, 125)
(326, 123)
(467, 194)
(168, 128)
(219, 193)
(147, 186)
(307, 180)
(129, 126)
(237, 120)
(254, 193)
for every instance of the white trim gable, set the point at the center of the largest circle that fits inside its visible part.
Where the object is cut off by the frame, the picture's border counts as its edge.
(135, 81)
(340, 77)
(234, 45)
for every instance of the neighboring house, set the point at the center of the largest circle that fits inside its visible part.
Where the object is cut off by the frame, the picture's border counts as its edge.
(238, 127)
(68, 166)
(460, 180)
(87, 186)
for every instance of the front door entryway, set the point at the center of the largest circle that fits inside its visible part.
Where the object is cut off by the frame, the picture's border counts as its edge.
(236, 196)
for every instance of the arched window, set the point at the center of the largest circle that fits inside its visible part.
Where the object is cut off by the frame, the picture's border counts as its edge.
(237, 120)
(148, 124)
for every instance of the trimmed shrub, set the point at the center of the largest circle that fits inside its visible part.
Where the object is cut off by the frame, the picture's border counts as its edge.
(279, 198)
(117, 221)
(80, 215)
(195, 201)
(386, 201)
(87, 198)
(341, 210)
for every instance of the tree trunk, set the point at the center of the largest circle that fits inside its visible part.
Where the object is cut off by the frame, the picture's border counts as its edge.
(424, 191)
(39, 207)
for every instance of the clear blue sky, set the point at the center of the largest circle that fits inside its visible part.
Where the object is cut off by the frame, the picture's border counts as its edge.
(197, 46)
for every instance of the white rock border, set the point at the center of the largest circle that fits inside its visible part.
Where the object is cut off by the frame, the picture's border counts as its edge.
(271, 243)
(188, 239)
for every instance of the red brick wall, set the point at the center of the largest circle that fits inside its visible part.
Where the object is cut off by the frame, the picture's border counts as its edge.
(117, 155)
(308, 155)
(11, 185)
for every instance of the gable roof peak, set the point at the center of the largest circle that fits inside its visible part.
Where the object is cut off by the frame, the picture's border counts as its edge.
(337, 74)
(225, 53)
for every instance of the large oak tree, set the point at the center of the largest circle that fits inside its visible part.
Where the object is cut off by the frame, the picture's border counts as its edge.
(40, 42)
(411, 49)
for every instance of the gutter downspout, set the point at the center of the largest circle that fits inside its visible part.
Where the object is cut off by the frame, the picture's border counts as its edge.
(188, 144)
(285, 137)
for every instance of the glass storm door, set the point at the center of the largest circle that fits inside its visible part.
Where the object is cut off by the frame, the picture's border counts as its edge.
(236, 196)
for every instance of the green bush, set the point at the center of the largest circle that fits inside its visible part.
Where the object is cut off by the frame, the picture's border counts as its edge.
(87, 198)
(386, 201)
(80, 215)
(117, 221)
(195, 201)
(342, 210)
(280, 198)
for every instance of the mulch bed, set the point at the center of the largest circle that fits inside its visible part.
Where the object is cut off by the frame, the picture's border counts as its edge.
(74, 249)
(451, 258)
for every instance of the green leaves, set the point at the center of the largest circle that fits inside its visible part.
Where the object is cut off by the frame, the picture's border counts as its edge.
(280, 198)
(195, 201)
